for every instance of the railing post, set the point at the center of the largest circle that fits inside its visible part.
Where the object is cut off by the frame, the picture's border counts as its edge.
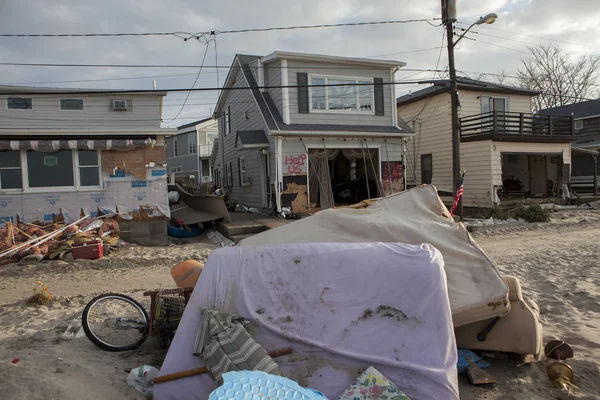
(572, 126)
(550, 124)
(495, 122)
(521, 123)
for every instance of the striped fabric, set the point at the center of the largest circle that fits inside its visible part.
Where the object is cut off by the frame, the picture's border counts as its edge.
(459, 193)
(225, 345)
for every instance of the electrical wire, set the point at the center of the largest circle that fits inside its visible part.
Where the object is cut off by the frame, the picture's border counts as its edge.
(188, 35)
(193, 84)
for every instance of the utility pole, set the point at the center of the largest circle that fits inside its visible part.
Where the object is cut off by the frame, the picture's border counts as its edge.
(448, 18)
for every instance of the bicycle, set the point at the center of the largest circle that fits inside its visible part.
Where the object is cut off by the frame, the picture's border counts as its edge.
(117, 322)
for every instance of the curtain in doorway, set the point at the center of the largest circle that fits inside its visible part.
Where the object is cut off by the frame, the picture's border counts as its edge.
(318, 171)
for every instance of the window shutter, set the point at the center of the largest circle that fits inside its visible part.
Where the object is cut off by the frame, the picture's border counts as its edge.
(229, 119)
(302, 82)
(240, 172)
(379, 105)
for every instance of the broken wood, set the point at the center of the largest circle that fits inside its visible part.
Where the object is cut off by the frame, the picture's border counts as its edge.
(478, 376)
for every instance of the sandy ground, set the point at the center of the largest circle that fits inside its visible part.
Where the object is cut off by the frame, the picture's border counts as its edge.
(557, 263)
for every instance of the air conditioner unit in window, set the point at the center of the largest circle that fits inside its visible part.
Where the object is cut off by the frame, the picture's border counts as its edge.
(120, 105)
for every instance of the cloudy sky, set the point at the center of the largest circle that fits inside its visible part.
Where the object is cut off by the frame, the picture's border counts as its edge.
(571, 24)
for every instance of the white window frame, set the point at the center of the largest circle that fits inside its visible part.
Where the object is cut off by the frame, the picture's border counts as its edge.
(243, 176)
(192, 143)
(327, 110)
(490, 100)
(580, 123)
(227, 121)
(70, 98)
(18, 109)
(7, 168)
(76, 177)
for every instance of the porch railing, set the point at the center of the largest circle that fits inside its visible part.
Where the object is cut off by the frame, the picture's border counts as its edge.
(511, 123)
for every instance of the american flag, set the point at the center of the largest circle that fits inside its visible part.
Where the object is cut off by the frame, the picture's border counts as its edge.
(459, 193)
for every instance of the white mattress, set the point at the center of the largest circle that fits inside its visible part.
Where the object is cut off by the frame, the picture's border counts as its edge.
(476, 289)
(341, 307)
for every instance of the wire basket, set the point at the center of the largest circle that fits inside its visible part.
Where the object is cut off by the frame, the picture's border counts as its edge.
(170, 304)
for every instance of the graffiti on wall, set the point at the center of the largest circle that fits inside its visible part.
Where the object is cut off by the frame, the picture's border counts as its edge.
(295, 164)
(392, 176)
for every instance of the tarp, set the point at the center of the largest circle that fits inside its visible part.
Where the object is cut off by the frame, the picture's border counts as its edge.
(476, 289)
(341, 307)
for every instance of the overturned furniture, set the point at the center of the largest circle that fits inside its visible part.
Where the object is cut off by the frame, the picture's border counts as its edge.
(341, 307)
(199, 208)
(477, 292)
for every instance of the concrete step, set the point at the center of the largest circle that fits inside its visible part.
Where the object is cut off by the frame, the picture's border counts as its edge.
(236, 238)
(230, 230)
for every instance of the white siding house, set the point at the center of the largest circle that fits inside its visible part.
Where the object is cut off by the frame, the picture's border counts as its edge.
(313, 131)
(505, 150)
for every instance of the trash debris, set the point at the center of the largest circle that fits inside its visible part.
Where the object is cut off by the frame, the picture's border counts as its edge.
(558, 350)
(272, 386)
(218, 239)
(464, 356)
(562, 376)
(372, 384)
(15, 360)
(141, 379)
(31, 243)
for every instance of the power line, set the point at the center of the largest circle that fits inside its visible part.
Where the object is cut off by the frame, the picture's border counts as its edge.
(189, 35)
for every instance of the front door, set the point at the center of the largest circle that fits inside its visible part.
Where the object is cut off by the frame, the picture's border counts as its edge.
(266, 182)
(538, 181)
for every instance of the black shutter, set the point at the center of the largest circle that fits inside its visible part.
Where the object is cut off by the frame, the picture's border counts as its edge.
(378, 96)
(302, 82)
(240, 172)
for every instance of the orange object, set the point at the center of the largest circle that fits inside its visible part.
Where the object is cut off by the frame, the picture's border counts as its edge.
(186, 273)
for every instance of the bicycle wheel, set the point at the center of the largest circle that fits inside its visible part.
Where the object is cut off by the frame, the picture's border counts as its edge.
(115, 322)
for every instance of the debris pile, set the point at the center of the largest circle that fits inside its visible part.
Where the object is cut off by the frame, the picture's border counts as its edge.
(22, 241)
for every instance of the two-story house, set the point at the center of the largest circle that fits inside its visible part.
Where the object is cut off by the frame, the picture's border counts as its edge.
(302, 132)
(66, 151)
(189, 150)
(505, 150)
(586, 142)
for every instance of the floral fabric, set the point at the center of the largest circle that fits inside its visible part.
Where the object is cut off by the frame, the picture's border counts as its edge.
(371, 385)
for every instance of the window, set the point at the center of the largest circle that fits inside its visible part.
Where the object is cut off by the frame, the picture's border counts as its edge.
(192, 143)
(227, 122)
(242, 171)
(230, 175)
(348, 95)
(10, 170)
(89, 170)
(490, 104)
(19, 103)
(50, 169)
(71, 104)
(176, 169)
(579, 125)
(174, 147)
(426, 168)
(120, 105)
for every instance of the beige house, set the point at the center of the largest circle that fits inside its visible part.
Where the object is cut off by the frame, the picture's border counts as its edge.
(506, 151)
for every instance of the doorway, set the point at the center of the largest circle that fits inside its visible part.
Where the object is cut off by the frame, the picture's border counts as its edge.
(538, 181)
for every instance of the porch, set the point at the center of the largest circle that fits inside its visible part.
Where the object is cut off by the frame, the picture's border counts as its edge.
(531, 175)
(516, 127)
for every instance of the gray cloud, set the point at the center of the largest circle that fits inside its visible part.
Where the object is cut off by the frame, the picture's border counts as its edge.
(573, 22)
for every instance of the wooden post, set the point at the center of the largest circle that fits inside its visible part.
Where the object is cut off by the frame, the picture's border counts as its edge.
(521, 123)
(495, 121)
(595, 157)
(572, 126)
(550, 124)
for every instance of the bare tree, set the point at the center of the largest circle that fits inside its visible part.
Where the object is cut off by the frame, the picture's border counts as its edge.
(560, 78)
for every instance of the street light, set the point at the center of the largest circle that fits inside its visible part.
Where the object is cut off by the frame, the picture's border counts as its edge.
(448, 18)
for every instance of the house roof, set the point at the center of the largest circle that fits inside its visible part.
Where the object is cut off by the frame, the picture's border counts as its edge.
(279, 55)
(254, 137)
(585, 109)
(200, 121)
(10, 89)
(443, 85)
(587, 142)
(274, 120)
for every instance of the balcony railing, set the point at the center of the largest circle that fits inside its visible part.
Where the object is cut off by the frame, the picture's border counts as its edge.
(498, 123)
(205, 150)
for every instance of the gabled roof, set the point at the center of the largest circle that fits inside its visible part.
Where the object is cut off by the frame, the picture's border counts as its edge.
(273, 118)
(443, 85)
(201, 121)
(585, 109)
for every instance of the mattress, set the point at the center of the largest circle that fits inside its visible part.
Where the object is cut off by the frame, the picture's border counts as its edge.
(476, 289)
(341, 307)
